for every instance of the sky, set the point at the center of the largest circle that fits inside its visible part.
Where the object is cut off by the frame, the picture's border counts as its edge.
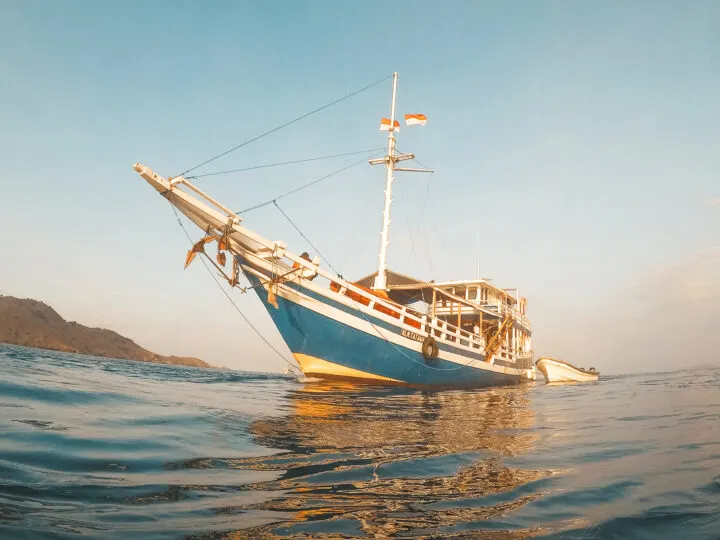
(578, 140)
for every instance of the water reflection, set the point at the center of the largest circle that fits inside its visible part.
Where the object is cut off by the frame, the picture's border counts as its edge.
(382, 461)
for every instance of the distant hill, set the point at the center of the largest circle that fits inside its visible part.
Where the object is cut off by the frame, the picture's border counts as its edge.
(34, 324)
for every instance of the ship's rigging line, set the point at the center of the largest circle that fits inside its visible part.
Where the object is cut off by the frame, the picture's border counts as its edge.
(299, 188)
(286, 124)
(305, 238)
(434, 228)
(306, 160)
(420, 219)
(245, 318)
(312, 183)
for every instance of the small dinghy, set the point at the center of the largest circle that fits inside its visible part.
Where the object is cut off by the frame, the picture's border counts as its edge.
(558, 371)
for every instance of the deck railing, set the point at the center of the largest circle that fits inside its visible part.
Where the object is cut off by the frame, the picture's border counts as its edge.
(414, 322)
(499, 307)
(409, 319)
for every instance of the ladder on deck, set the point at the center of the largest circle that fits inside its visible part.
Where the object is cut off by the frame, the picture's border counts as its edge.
(496, 340)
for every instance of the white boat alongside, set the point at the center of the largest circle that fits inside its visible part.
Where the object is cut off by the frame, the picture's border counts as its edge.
(559, 371)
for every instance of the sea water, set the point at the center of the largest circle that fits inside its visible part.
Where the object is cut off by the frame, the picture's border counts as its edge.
(99, 448)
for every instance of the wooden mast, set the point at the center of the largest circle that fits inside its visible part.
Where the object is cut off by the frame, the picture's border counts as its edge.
(381, 278)
(389, 161)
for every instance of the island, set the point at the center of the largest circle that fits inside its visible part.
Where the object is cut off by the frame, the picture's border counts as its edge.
(32, 323)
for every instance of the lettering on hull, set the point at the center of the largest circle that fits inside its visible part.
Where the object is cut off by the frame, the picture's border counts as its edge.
(412, 335)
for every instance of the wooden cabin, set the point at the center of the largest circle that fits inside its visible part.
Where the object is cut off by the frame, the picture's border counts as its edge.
(475, 306)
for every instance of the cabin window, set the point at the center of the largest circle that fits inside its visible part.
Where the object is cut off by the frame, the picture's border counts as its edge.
(460, 293)
(472, 293)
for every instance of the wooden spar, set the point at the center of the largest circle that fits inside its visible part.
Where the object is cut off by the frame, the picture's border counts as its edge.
(181, 180)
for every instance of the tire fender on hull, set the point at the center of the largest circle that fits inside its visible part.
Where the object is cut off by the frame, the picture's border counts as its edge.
(430, 349)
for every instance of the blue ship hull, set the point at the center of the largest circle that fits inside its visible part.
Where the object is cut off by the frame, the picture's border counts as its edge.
(328, 348)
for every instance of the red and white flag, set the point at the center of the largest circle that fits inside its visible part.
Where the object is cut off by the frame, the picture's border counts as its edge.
(385, 125)
(415, 119)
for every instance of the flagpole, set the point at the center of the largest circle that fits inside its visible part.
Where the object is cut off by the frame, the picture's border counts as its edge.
(381, 277)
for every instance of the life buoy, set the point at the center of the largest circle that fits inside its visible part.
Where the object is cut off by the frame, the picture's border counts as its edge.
(430, 348)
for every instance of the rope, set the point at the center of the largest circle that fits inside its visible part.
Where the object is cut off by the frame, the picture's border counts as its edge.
(254, 328)
(433, 229)
(272, 281)
(317, 180)
(285, 163)
(286, 124)
(414, 235)
(411, 254)
(305, 238)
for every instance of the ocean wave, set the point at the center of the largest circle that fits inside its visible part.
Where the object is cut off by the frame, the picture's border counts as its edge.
(98, 448)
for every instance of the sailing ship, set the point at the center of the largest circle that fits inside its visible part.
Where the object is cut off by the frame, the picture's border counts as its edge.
(385, 328)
